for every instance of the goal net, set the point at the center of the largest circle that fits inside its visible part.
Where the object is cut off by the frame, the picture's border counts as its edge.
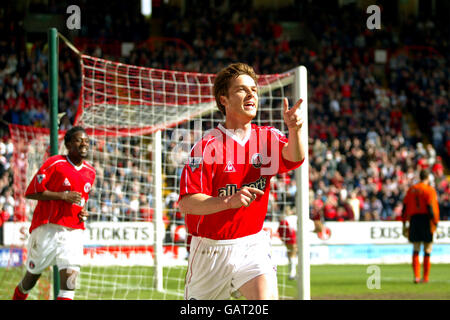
(142, 123)
(31, 147)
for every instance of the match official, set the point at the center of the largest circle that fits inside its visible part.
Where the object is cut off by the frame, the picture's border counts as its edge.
(420, 218)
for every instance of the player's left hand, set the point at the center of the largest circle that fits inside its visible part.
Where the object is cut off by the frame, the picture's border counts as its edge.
(83, 215)
(292, 117)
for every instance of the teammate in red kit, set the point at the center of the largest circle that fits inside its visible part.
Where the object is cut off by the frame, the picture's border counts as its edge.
(224, 193)
(62, 187)
(287, 230)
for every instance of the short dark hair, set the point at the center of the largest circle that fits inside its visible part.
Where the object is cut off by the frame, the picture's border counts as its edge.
(70, 133)
(423, 174)
(223, 78)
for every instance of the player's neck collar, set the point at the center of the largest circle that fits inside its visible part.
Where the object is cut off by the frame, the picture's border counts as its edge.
(234, 136)
(78, 168)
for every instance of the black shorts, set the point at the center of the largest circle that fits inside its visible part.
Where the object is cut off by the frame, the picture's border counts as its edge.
(419, 228)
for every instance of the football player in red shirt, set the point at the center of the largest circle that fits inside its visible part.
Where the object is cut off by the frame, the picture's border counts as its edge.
(224, 193)
(61, 186)
(287, 230)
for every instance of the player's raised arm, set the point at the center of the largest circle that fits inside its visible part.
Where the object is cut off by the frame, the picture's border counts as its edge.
(202, 204)
(294, 150)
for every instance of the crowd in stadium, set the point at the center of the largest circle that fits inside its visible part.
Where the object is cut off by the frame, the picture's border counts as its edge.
(369, 135)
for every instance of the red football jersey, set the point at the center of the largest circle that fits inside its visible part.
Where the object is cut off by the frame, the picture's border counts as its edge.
(58, 174)
(220, 164)
(287, 229)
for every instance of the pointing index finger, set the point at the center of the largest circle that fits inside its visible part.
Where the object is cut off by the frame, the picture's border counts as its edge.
(285, 105)
(255, 191)
(295, 107)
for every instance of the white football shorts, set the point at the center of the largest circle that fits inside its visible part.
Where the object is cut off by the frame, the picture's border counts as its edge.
(218, 268)
(52, 244)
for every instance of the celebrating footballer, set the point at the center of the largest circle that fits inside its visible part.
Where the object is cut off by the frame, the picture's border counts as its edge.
(224, 192)
(61, 186)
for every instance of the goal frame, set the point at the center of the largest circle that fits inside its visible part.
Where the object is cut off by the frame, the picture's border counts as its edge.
(301, 200)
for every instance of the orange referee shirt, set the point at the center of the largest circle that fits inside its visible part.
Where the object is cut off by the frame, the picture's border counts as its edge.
(417, 200)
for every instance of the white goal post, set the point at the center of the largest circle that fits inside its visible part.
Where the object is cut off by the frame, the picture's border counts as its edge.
(302, 196)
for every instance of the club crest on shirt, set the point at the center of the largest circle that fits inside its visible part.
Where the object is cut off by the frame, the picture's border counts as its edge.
(40, 178)
(257, 160)
(87, 187)
(194, 162)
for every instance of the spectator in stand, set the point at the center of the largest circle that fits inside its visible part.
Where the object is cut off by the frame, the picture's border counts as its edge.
(7, 201)
(145, 210)
(330, 207)
(444, 206)
(354, 204)
(4, 217)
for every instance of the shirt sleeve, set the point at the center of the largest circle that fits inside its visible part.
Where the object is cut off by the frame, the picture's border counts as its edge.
(197, 173)
(39, 182)
(284, 164)
(434, 205)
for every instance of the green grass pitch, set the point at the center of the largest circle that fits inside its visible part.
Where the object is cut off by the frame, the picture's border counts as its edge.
(328, 282)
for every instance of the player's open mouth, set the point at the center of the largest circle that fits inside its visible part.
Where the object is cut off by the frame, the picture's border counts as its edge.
(249, 106)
